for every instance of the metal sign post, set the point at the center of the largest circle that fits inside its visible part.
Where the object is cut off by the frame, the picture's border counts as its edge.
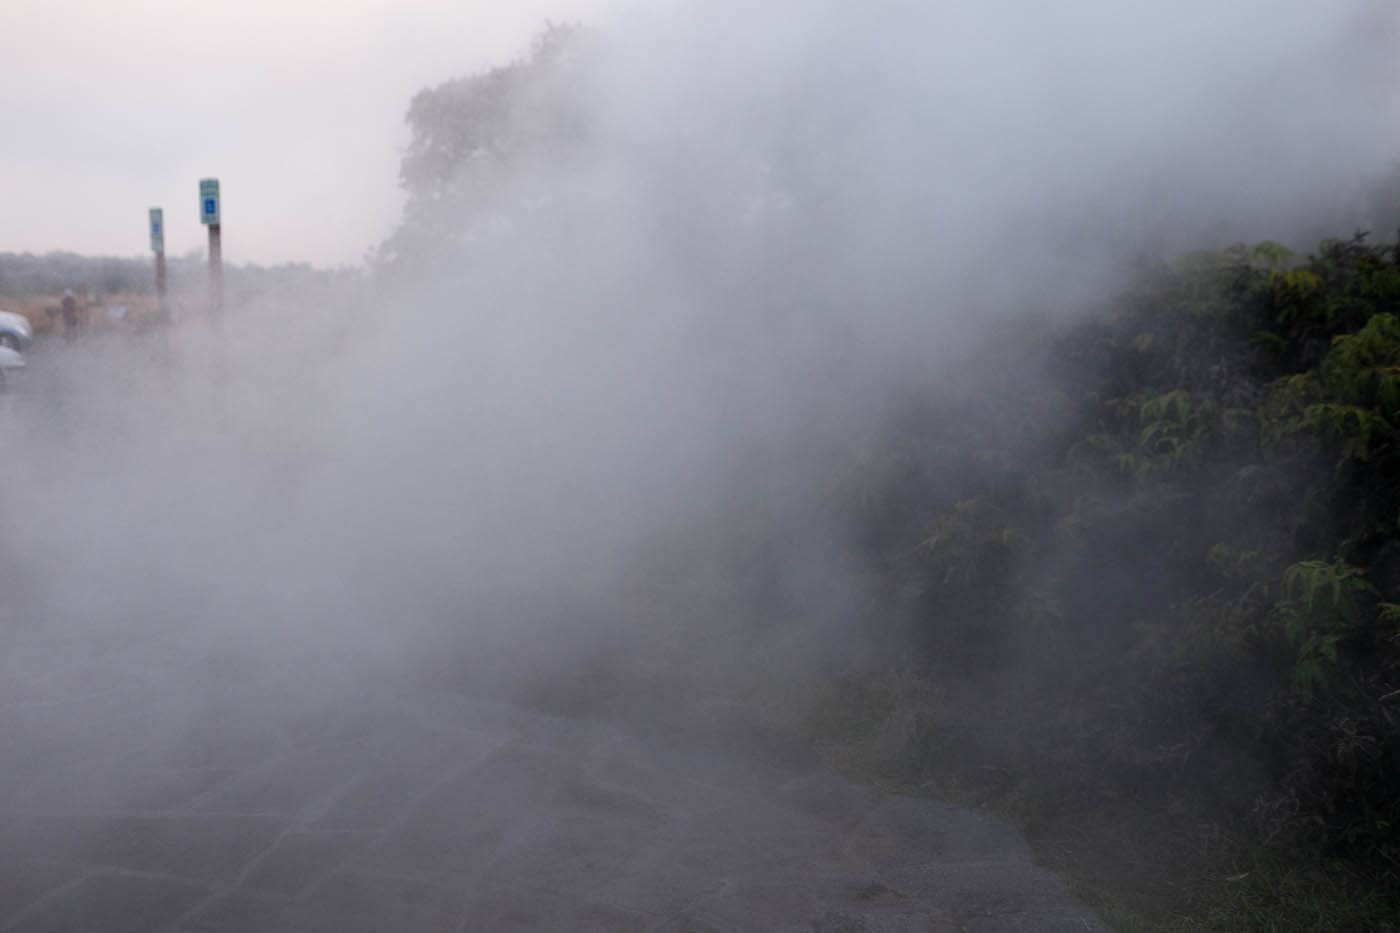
(209, 216)
(157, 223)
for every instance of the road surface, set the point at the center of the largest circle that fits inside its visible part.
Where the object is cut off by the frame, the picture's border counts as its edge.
(141, 795)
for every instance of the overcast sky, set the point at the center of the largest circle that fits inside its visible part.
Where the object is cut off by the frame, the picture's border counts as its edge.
(297, 106)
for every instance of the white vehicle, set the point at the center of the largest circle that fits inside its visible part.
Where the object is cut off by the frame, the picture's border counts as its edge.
(10, 361)
(15, 332)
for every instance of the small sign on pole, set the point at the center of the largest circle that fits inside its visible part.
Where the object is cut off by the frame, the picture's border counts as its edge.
(157, 230)
(157, 225)
(209, 201)
(209, 216)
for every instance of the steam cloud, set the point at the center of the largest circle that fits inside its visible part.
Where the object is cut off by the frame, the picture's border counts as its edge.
(775, 219)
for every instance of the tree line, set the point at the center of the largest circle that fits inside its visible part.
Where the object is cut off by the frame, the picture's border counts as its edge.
(47, 274)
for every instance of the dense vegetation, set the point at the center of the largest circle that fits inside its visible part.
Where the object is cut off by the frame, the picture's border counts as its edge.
(1150, 572)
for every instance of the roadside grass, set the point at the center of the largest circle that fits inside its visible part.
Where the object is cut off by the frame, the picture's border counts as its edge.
(1147, 865)
(141, 311)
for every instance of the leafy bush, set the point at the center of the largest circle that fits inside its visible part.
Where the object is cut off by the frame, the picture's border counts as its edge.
(1187, 587)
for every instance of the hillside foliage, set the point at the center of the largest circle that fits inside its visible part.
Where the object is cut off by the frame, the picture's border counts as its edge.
(1157, 557)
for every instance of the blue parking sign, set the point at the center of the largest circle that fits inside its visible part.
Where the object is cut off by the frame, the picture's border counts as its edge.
(209, 201)
(157, 230)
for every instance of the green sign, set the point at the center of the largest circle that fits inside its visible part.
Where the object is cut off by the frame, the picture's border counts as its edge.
(209, 201)
(157, 230)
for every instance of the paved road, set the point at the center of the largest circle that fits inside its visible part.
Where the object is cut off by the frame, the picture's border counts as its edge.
(222, 801)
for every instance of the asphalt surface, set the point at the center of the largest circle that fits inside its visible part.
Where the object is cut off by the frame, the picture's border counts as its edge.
(139, 795)
(149, 782)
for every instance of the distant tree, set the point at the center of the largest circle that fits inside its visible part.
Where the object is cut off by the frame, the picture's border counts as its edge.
(24, 274)
(469, 134)
(27, 274)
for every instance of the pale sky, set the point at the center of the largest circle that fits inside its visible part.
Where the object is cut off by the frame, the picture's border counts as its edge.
(109, 107)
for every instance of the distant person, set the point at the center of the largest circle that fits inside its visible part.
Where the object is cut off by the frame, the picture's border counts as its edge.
(70, 313)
